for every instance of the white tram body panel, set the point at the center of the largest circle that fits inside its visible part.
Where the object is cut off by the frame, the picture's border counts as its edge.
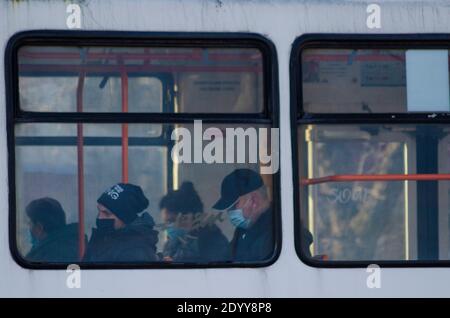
(281, 22)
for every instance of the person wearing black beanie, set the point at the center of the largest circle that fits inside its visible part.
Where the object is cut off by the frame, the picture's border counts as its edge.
(125, 201)
(123, 233)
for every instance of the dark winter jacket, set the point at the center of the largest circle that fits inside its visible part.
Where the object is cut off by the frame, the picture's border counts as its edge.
(306, 240)
(255, 243)
(204, 245)
(135, 243)
(60, 246)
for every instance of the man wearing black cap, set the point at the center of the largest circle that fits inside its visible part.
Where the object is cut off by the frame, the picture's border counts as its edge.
(249, 208)
(121, 235)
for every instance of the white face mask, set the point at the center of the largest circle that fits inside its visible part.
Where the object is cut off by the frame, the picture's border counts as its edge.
(238, 219)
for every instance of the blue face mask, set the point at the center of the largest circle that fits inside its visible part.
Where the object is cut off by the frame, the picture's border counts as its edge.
(31, 239)
(174, 233)
(238, 219)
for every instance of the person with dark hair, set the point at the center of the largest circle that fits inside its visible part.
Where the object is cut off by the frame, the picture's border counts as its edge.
(189, 239)
(122, 235)
(52, 239)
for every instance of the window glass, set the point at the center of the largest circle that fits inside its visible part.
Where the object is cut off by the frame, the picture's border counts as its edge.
(49, 167)
(149, 188)
(375, 192)
(373, 188)
(208, 80)
(375, 81)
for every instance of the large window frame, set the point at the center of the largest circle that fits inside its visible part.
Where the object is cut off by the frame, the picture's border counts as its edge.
(300, 118)
(14, 115)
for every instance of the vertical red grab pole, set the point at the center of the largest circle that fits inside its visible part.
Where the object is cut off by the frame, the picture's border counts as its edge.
(80, 167)
(124, 86)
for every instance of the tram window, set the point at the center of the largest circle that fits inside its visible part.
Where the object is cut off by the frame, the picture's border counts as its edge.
(97, 188)
(375, 81)
(371, 192)
(214, 80)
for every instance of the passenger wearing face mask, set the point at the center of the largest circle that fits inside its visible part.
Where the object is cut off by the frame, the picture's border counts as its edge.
(244, 197)
(188, 239)
(122, 235)
(52, 240)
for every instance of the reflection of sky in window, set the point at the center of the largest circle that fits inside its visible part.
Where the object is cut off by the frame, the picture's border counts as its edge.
(60, 160)
(44, 93)
(58, 94)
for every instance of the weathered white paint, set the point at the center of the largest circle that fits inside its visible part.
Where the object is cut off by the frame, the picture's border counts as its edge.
(280, 21)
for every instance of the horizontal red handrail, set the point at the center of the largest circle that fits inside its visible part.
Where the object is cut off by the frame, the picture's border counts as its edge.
(194, 55)
(376, 177)
(94, 68)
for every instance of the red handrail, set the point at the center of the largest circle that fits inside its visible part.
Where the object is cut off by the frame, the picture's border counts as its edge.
(195, 55)
(124, 86)
(376, 177)
(94, 68)
(80, 168)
